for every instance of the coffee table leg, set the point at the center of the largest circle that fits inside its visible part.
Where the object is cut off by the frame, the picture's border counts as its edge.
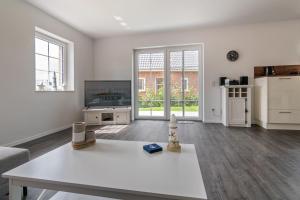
(15, 191)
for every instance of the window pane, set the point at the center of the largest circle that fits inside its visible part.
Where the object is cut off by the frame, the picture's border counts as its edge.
(191, 94)
(151, 61)
(159, 86)
(59, 79)
(55, 79)
(157, 61)
(49, 62)
(54, 65)
(41, 76)
(191, 58)
(51, 81)
(176, 105)
(159, 81)
(41, 62)
(191, 108)
(54, 50)
(41, 46)
(186, 84)
(144, 108)
(177, 108)
(141, 84)
(151, 86)
(176, 77)
(144, 61)
(176, 59)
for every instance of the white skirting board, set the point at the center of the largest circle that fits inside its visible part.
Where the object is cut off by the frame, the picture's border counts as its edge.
(212, 121)
(278, 126)
(39, 135)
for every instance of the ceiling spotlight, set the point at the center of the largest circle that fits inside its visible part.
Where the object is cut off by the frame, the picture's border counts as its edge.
(118, 18)
(123, 24)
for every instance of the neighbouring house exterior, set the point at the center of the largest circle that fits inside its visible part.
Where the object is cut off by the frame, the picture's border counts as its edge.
(153, 80)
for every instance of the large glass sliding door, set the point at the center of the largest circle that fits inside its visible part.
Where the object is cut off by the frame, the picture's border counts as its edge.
(176, 87)
(191, 83)
(150, 80)
(184, 68)
(167, 81)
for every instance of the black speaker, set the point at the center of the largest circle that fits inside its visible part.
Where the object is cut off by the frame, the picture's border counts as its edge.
(233, 82)
(222, 80)
(244, 80)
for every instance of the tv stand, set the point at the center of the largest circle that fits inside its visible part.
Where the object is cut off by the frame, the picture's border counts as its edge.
(107, 116)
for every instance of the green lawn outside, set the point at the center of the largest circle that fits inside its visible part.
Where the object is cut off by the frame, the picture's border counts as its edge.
(187, 108)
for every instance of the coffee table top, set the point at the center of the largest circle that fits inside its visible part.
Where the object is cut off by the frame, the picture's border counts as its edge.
(119, 165)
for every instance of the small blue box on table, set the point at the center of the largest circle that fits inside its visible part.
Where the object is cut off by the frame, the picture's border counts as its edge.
(152, 148)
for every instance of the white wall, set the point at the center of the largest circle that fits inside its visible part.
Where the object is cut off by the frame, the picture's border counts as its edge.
(258, 44)
(23, 112)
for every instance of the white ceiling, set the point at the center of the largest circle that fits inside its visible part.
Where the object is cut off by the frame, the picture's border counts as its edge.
(96, 17)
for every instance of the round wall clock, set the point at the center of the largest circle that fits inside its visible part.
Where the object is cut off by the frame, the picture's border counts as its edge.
(232, 55)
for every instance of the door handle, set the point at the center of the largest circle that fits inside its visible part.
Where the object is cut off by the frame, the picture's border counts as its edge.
(284, 78)
(285, 112)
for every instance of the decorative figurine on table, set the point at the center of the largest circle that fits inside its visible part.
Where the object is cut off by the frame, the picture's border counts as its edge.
(173, 145)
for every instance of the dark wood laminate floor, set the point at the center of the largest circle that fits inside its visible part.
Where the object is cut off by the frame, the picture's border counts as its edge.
(236, 163)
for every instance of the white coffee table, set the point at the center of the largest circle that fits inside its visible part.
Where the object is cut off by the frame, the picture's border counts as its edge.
(114, 169)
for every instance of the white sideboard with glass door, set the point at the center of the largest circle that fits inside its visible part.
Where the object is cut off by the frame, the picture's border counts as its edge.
(236, 105)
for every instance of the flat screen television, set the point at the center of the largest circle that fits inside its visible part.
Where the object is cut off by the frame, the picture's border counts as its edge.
(107, 93)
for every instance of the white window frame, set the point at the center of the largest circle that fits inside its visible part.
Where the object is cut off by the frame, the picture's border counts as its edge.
(67, 57)
(167, 78)
(144, 84)
(62, 58)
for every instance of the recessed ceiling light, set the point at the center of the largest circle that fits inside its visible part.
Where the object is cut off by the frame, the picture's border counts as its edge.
(123, 24)
(118, 18)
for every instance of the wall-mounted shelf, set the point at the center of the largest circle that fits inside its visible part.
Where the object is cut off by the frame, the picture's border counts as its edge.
(279, 70)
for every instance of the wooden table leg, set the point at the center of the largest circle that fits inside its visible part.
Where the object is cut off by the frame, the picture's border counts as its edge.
(15, 191)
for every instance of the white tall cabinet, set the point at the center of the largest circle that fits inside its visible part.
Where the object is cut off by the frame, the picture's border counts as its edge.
(277, 102)
(236, 105)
